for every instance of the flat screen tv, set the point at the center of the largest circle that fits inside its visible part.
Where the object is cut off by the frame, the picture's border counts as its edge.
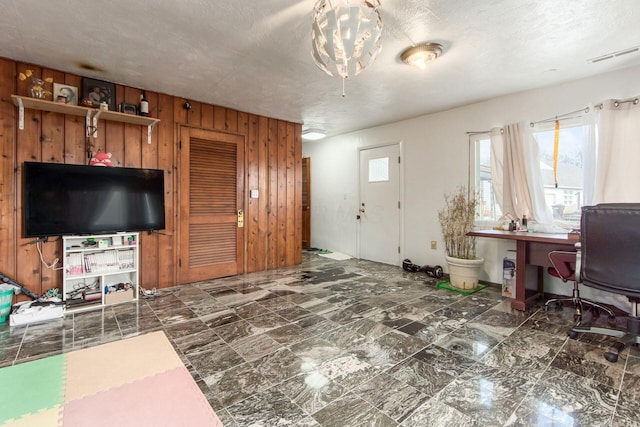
(62, 199)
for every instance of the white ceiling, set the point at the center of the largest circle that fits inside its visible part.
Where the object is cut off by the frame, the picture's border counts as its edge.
(254, 55)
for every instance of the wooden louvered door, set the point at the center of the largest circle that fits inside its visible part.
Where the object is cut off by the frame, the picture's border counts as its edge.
(211, 197)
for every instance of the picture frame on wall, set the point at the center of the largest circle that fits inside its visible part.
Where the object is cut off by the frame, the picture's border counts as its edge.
(127, 108)
(65, 94)
(98, 91)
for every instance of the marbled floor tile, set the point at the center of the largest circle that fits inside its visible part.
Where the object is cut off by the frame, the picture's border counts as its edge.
(236, 384)
(347, 370)
(320, 306)
(379, 302)
(405, 296)
(315, 325)
(504, 356)
(345, 337)
(627, 408)
(369, 328)
(470, 342)
(222, 292)
(587, 360)
(564, 399)
(234, 331)
(486, 394)
(311, 390)
(471, 307)
(252, 309)
(348, 314)
(198, 342)
(395, 398)
(302, 300)
(422, 376)
(255, 346)
(445, 360)
(289, 334)
(269, 408)
(498, 322)
(220, 358)
(404, 343)
(185, 329)
(275, 304)
(440, 323)
(220, 318)
(267, 322)
(532, 344)
(400, 311)
(294, 313)
(237, 299)
(316, 350)
(436, 301)
(351, 411)
(279, 366)
(170, 316)
(437, 414)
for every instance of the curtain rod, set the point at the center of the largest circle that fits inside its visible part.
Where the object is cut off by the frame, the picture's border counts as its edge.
(564, 116)
(480, 132)
(617, 102)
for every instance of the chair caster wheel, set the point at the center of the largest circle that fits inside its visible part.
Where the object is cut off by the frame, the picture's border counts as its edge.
(611, 357)
(572, 334)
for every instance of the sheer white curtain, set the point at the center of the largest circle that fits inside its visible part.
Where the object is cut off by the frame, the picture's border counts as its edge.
(617, 175)
(522, 189)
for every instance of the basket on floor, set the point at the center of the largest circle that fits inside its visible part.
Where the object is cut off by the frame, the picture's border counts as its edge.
(6, 297)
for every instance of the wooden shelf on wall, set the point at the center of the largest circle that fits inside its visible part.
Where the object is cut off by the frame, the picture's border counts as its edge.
(91, 114)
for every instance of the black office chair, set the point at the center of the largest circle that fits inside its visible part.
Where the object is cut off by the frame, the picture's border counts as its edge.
(564, 267)
(610, 260)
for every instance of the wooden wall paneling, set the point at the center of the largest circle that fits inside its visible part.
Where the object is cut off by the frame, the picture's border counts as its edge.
(114, 134)
(252, 214)
(51, 149)
(231, 120)
(207, 116)
(75, 140)
(298, 193)
(132, 135)
(219, 118)
(194, 117)
(149, 242)
(272, 165)
(8, 129)
(167, 160)
(179, 112)
(263, 187)
(291, 196)
(28, 149)
(282, 194)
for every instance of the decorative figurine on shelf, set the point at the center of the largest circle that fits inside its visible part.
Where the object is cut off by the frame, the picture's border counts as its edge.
(101, 159)
(38, 86)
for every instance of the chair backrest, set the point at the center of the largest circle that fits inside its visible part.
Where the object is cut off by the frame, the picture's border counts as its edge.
(610, 248)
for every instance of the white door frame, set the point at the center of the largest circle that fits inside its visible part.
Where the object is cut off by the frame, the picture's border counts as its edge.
(400, 145)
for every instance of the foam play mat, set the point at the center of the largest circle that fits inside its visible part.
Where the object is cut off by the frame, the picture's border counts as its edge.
(139, 381)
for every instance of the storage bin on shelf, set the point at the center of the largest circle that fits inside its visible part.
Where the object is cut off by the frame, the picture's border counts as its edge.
(6, 298)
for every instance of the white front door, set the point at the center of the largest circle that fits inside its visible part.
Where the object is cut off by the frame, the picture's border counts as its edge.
(379, 237)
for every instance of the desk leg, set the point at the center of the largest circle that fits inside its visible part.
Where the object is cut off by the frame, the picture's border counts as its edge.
(518, 302)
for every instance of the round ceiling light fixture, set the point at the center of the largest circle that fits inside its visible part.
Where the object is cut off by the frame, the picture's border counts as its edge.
(421, 54)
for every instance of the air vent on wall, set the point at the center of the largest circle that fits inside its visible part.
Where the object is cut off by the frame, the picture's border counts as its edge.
(613, 55)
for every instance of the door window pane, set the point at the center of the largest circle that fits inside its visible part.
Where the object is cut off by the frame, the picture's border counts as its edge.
(379, 169)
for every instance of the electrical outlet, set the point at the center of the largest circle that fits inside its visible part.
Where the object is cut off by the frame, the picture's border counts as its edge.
(434, 244)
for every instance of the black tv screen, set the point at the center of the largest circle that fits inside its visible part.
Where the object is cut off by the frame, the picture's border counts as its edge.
(62, 199)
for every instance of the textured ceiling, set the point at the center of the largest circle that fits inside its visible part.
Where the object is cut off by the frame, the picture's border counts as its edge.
(254, 55)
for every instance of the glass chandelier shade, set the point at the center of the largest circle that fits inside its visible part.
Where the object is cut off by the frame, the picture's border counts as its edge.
(346, 34)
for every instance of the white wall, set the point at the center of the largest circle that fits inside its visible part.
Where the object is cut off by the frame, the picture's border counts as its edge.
(436, 156)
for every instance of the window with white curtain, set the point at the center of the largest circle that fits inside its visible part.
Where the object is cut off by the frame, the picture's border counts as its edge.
(488, 208)
(566, 200)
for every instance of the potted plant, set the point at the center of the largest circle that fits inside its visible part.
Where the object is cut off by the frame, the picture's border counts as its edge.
(456, 220)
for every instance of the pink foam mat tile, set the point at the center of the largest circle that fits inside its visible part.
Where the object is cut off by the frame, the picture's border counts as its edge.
(171, 398)
(103, 367)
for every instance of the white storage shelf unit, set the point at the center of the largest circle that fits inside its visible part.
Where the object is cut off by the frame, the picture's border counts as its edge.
(100, 270)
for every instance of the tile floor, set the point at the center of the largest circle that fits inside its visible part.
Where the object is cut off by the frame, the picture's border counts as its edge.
(356, 343)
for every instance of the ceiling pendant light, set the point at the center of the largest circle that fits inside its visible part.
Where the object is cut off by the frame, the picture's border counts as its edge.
(421, 54)
(347, 34)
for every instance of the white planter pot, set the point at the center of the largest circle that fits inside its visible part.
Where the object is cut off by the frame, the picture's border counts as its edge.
(464, 273)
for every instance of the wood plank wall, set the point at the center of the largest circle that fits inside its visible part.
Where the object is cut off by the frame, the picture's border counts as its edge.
(273, 167)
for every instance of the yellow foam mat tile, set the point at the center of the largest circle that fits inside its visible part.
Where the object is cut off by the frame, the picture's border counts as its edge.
(100, 368)
(45, 418)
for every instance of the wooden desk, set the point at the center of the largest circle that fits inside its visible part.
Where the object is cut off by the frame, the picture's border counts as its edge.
(531, 249)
